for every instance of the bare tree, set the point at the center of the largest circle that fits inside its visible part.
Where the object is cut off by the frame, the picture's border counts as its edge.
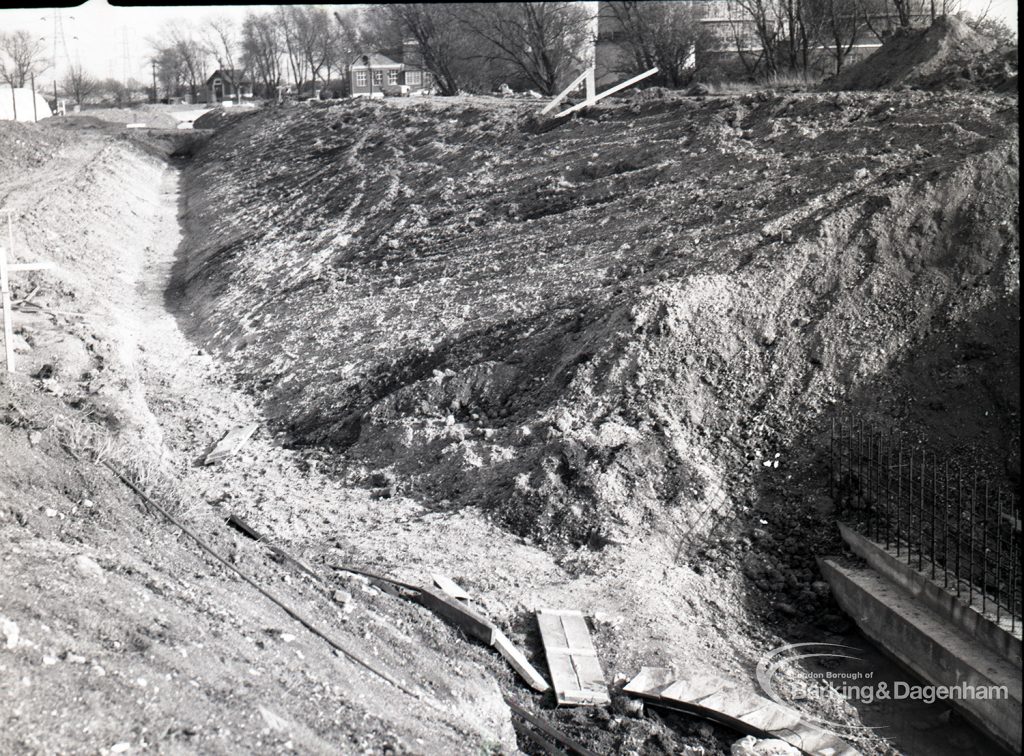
(662, 34)
(78, 84)
(986, 24)
(343, 46)
(316, 36)
(221, 42)
(289, 17)
(444, 46)
(191, 56)
(261, 50)
(169, 68)
(542, 41)
(841, 24)
(22, 56)
(761, 16)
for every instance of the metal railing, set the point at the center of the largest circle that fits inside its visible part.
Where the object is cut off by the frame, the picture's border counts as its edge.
(939, 516)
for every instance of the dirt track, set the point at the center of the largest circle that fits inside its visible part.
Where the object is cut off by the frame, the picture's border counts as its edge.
(479, 375)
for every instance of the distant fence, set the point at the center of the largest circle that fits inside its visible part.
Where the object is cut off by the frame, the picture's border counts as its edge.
(938, 515)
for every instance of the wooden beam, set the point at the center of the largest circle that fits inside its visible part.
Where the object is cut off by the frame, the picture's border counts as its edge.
(450, 587)
(596, 98)
(445, 604)
(587, 75)
(458, 614)
(18, 267)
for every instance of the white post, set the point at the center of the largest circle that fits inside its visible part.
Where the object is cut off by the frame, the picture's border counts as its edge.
(6, 268)
(591, 100)
(5, 296)
(587, 76)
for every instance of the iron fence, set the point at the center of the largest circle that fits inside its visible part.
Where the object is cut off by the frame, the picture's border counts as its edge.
(939, 516)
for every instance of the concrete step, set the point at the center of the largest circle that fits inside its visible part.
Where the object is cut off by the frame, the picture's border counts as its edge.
(931, 647)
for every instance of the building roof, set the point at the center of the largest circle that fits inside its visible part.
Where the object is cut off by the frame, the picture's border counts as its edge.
(376, 61)
(234, 75)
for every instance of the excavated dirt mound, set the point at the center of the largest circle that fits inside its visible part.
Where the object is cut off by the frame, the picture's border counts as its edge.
(948, 55)
(618, 328)
(117, 634)
(25, 146)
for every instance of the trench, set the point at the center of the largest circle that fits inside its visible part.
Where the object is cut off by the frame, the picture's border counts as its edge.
(186, 391)
(913, 726)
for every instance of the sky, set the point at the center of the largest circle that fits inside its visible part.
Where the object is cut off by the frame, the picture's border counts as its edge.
(114, 42)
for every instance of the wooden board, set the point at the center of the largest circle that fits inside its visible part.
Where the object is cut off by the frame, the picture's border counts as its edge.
(458, 614)
(650, 681)
(693, 688)
(572, 660)
(519, 662)
(736, 706)
(772, 718)
(450, 587)
(228, 446)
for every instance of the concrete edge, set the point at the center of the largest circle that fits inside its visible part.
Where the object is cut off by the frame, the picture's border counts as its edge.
(935, 597)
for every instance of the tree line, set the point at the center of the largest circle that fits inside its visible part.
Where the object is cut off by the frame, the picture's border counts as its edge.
(478, 47)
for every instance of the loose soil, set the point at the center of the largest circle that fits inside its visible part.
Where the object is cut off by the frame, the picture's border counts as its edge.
(586, 368)
(947, 56)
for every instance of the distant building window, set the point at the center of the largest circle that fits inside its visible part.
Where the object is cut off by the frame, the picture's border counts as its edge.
(360, 78)
(378, 78)
(392, 77)
(413, 78)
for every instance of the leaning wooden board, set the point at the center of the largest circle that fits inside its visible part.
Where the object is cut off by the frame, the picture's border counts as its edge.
(575, 669)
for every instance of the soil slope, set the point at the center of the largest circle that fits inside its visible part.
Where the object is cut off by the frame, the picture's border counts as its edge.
(116, 633)
(947, 56)
(587, 368)
(593, 331)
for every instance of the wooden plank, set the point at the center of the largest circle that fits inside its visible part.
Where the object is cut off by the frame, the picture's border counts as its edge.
(587, 75)
(450, 587)
(572, 659)
(734, 702)
(772, 718)
(519, 662)
(18, 267)
(597, 98)
(458, 614)
(717, 699)
(693, 688)
(230, 444)
(650, 681)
